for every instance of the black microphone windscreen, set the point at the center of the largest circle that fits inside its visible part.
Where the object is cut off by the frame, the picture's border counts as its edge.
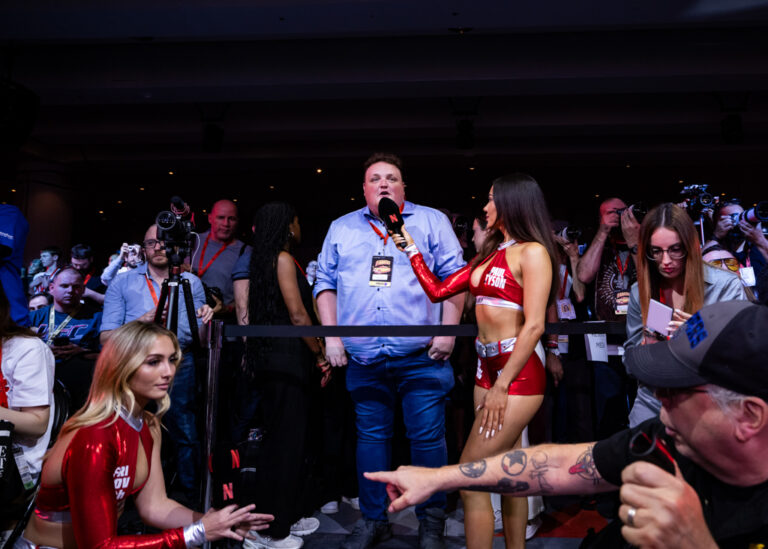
(390, 214)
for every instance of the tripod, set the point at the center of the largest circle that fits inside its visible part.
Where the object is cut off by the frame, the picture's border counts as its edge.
(170, 293)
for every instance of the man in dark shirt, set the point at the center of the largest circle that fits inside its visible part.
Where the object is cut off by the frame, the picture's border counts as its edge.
(705, 484)
(72, 331)
(609, 262)
(82, 260)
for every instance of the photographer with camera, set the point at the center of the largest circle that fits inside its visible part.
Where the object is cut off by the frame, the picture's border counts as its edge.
(129, 257)
(741, 233)
(609, 262)
(696, 477)
(71, 330)
(134, 295)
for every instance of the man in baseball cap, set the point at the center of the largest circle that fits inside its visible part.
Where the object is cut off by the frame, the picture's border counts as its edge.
(704, 482)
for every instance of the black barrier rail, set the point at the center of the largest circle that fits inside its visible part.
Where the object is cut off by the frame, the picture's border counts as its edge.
(468, 330)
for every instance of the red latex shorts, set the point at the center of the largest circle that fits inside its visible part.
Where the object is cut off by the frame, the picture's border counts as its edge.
(531, 380)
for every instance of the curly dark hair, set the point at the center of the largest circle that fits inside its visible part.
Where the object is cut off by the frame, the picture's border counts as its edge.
(271, 233)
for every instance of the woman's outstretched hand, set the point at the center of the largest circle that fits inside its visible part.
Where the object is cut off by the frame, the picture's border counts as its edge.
(220, 523)
(402, 241)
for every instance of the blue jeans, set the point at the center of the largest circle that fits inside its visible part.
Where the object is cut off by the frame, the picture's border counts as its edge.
(422, 384)
(182, 428)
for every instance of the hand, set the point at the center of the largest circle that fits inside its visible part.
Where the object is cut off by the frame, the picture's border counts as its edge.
(753, 233)
(571, 249)
(555, 367)
(218, 524)
(67, 351)
(206, 313)
(402, 241)
(667, 509)
(218, 305)
(149, 316)
(630, 228)
(678, 319)
(186, 268)
(723, 226)
(124, 249)
(493, 406)
(608, 221)
(408, 485)
(440, 347)
(335, 352)
(326, 370)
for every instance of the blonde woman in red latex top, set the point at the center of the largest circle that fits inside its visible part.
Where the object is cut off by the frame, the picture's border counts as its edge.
(512, 280)
(110, 449)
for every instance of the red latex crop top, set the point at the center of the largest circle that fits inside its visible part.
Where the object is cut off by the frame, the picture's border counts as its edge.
(99, 471)
(497, 285)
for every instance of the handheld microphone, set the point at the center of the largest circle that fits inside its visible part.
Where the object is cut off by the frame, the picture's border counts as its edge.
(391, 216)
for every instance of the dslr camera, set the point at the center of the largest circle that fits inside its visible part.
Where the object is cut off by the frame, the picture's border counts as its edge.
(638, 210)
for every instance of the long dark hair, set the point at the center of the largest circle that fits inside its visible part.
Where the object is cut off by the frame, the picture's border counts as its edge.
(522, 210)
(271, 233)
(649, 280)
(8, 328)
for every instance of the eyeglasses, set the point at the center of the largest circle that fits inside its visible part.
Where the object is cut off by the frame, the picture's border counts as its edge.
(675, 252)
(152, 243)
(670, 393)
(730, 263)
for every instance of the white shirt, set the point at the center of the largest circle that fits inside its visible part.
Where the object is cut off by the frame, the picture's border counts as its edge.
(28, 368)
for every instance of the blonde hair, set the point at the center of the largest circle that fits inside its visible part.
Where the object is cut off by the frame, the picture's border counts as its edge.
(123, 354)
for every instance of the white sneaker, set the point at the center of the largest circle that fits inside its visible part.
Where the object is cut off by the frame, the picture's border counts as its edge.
(305, 526)
(266, 542)
(330, 508)
(532, 527)
(352, 502)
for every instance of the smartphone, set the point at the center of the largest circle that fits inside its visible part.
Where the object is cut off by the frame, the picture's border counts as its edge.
(659, 317)
(60, 341)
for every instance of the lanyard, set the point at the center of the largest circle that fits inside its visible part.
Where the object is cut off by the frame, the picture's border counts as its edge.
(151, 289)
(200, 269)
(3, 388)
(384, 237)
(622, 268)
(565, 283)
(299, 266)
(52, 333)
(87, 278)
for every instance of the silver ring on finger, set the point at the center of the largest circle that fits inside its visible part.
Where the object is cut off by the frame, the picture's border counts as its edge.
(631, 516)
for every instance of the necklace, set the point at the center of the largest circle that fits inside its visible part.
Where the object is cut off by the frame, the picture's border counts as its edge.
(507, 244)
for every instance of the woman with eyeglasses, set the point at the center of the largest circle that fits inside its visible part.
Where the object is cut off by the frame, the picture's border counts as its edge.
(670, 270)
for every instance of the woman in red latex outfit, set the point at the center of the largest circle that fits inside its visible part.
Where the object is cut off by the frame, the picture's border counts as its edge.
(110, 449)
(515, 267)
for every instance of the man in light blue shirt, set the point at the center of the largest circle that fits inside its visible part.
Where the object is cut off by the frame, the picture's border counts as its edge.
(362, 279)
(133, 295)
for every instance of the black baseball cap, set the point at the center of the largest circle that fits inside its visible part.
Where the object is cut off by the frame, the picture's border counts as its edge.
(724, 344)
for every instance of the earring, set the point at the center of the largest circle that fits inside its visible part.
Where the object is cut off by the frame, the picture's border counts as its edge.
(290, 234)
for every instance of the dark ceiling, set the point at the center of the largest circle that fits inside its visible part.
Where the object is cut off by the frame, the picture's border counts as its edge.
(235, 97)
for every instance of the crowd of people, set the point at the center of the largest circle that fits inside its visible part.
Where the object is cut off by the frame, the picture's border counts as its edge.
(328, 411)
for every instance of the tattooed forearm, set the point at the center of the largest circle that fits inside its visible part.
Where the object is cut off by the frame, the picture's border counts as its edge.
(585, 467)
(474, 469)
(514, 463)
(504, 486)
(539, 472)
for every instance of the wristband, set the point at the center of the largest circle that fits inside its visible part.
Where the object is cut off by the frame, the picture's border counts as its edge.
(411, 250)
(551, 344)
(194, 534)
